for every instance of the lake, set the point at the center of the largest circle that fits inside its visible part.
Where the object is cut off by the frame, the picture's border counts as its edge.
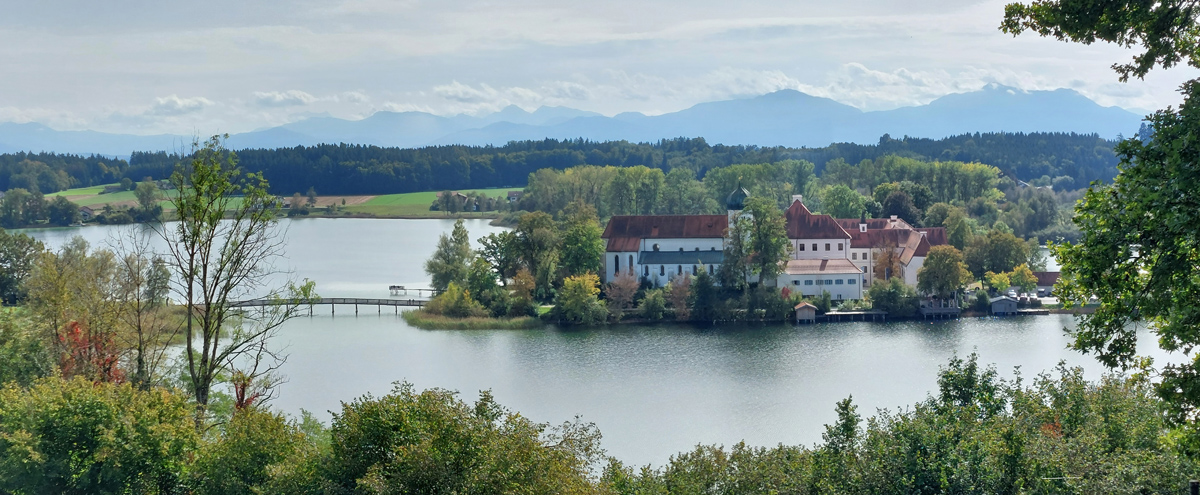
(652, 390)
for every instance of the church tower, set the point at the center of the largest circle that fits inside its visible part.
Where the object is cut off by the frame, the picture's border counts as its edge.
(736, 202)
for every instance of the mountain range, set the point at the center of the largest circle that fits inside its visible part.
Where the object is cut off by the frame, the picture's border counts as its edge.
(782, 118)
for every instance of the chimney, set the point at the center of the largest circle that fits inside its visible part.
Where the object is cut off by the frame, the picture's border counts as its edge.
(798, 197)
(893, 218)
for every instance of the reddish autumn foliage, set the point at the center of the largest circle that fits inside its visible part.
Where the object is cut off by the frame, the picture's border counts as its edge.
(88, 354)
(245, 394)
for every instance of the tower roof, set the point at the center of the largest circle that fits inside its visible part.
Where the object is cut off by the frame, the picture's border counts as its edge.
(737, 199)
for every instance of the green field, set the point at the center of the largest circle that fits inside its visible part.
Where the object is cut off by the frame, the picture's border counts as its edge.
(388, 205)
(417, 204)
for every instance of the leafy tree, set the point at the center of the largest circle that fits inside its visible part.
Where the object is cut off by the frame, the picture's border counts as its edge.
(839, 201)
(502, 251)
(653, 305)
(734, 271)
(251, 445)
(958, 229)
(433, 442)
(703, 297)
(996, 252)
(620, 293)
(18, 253)
(62, 212)
(999, 282)
(943, 274)
(537, 236)
(312, 196)
(523, 286)
(147, 196)
(13, 208)
(899, 203)
(768, 242)
(75, 436)
(893, 296)
(24, 355)
(455, 302)
(582, 249)
(221, 250)
(451, 261)
(678, 292)
(1022, 277)
(577, 301)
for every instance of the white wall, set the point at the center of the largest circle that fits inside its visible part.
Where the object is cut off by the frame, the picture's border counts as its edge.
(847, 290)
(910, 270)
(610, 267)
(821, 253)
(705, 244)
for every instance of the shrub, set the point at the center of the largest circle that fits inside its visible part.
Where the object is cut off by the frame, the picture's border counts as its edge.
(455, 302)
(654, 305)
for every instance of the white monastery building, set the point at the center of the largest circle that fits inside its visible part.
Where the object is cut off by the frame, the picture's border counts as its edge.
(839, 256)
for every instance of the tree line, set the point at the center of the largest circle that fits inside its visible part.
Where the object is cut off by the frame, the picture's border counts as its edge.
(1070, 161)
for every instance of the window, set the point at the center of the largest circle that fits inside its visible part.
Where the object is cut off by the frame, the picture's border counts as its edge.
(631, 264)
(801, 246)
(795, 282)
(826, 246)
(820, 282)
(646, 270)
(839, 246)
(839, 297)
(808, 282)
(656, 247)
(850, 281)
(837, 282)
(854, 256)
(662, 269)
(616, 264)
(712, 248)
(864, 269)
(679, 269)
(814, 246)
(710, 269)
(697, 248)
(694, 270)
(681, 249)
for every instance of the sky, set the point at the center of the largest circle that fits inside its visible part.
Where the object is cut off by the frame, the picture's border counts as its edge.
(199, 68)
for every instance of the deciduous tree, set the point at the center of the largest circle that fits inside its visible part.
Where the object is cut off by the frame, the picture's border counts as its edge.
(451, 260)
(943, 274)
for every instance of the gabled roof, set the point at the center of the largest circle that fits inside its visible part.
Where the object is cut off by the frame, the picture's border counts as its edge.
(803, 224)
(935, 235)
(666, 226)
(625, 232)
(836, 266)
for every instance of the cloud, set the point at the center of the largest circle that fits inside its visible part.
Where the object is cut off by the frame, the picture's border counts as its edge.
(173, 105)
(283, 98)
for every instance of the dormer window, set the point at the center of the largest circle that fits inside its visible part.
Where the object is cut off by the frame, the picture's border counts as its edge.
(862, 227)
(681, 250)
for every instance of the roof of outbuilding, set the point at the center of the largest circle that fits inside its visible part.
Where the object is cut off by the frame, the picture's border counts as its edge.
(837, 266)
(1046, 278)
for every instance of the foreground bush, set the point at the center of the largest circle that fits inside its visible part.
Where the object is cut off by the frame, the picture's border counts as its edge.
(978, 435)
(75, 437)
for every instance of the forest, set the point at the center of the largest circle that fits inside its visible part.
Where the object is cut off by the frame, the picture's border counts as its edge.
(1068, 161)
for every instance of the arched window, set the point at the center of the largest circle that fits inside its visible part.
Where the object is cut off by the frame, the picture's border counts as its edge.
(631, 263)
(679, 269)
(662, 269)
(710, 268)
(617, 264)
(694, 271)
(646, 270)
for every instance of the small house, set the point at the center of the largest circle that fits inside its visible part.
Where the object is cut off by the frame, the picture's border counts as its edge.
(515, 195)
(1045, 282)
(86, 213)
(1003, 306)
(806, 313)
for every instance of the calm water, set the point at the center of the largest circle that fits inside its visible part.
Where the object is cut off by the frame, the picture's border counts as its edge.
(653, 391)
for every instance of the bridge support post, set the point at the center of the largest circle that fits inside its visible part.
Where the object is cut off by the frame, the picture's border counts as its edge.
(355, 310)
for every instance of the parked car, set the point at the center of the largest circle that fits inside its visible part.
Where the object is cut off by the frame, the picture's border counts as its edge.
(1011, 293)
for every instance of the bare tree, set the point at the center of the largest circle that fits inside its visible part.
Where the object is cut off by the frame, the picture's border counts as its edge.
(143, 281)
(221, 251)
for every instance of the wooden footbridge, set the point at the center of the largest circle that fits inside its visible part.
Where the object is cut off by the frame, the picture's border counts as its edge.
(334, 302)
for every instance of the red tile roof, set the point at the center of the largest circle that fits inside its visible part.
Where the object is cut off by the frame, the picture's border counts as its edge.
(623, 232)
(1046, 278)
(803, 224)
(873, 223)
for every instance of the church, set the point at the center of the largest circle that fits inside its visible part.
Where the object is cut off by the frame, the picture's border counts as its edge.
(834, 255)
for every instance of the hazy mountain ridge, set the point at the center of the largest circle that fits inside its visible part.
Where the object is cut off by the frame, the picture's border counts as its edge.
(783, 118)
